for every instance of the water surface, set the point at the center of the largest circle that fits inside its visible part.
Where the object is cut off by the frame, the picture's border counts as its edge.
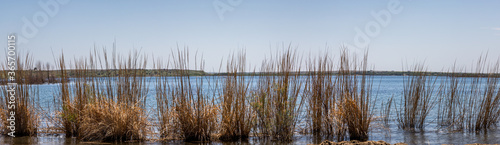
(384, 87)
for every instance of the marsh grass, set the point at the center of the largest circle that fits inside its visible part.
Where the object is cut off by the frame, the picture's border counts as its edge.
(471, 104)
(321, 97)
(238, 118)
(193, 101)
(452, 100)
(483, 112)
(417, 100)
(386, 111)
(167, 119)
(277, 101)
(354, 98)
(104, 109)
(23, 107)
(230, 107)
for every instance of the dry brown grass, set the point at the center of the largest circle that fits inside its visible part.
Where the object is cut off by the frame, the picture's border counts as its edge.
(106, 120)
(192, 102)
(237, 116)
(471, 104)
(26, 117)
(196, 108)
(483, 112)
(168, 123)
(354, 98)
(321, 96)
(417, 100)
(278, 100)
(452, 94)
(104, 109)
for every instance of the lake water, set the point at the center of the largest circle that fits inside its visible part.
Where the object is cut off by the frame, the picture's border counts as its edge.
(384, 87)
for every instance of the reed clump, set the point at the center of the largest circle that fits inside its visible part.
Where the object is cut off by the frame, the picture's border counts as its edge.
(193, 101)
(483, 111)
(452, 100)
(69, 111)
(278, 100)
(106, 120)
(167, 119)
(321, 96)
(237, 115)
(417, 100)
(104, 109)
(354, 96)
(18, 101)
(471, 104)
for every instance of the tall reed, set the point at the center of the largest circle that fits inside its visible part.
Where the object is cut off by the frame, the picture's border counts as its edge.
(354, 97)
(104, 109)
(69, 112)
(192, 100)
(417, 100)
(484, 99)
(20, 100)
(321, 95)
(237, 116)
(452, 100)
(279, 99)
(471, 104)
(168, 123)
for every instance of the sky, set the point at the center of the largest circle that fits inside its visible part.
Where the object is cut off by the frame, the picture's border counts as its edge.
(395, 32)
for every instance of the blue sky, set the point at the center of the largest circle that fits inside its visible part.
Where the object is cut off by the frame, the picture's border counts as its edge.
(437, 32)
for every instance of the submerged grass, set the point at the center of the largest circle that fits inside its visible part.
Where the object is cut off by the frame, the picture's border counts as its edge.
(471, 104)
(452, 100)
(484, 99)
(386, 111)
(417, 100)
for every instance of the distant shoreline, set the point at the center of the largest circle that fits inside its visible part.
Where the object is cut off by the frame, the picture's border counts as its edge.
(176, 72)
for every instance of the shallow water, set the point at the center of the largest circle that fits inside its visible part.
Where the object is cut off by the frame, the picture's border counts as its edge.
(384, 87)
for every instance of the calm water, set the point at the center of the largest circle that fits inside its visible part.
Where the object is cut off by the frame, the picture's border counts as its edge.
(383, 88)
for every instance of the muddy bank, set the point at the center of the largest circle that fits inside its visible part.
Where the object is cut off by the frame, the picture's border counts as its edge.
(355, 142)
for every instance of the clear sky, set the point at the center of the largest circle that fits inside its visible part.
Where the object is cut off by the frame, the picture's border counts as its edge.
(437, 32)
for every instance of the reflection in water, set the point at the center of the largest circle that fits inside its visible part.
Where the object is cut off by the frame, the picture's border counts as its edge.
(412, 138)
(416, 138)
